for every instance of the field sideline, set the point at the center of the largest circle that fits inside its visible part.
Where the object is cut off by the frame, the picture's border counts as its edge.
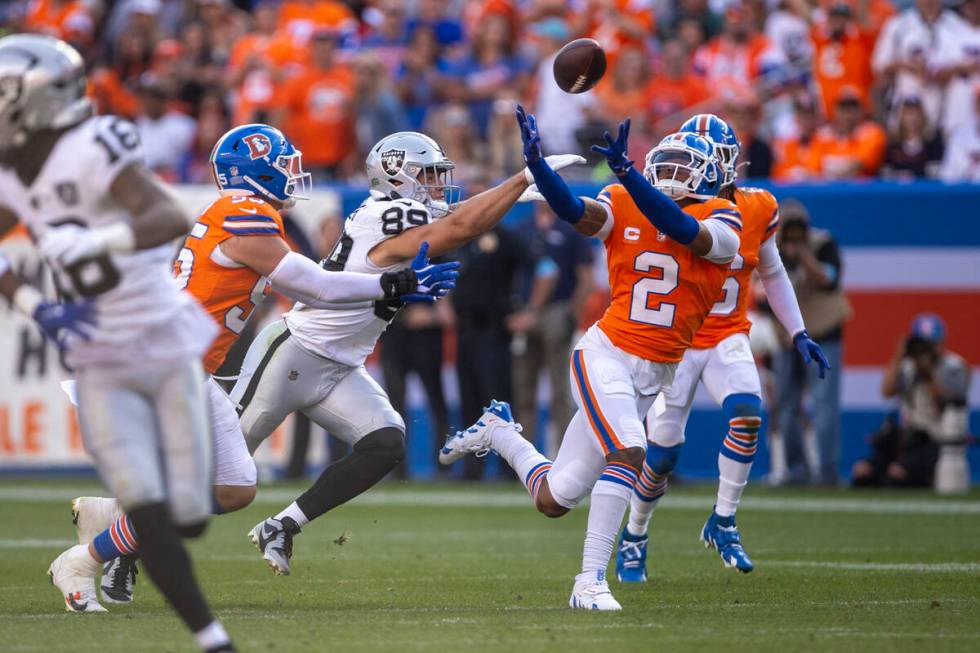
(461, 568)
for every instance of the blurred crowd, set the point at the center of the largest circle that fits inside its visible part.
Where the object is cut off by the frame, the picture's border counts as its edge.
(816, 89)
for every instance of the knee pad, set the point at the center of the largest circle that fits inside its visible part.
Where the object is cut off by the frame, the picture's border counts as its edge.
(744, 414)
(191, 531)
(662, 460)
(387, 443)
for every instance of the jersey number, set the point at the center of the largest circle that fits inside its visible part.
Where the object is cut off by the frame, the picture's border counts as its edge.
(395, 219)
(122, 137)
(640, 310)
(731, 289)
(87, 278)
(236, 316)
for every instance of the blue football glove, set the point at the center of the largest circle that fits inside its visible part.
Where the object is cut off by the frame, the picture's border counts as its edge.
(811, 351)
(54, 318)
(615, 153)
(435, 280)
(529, 134)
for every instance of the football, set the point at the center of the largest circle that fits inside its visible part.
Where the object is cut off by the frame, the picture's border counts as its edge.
(579, 65)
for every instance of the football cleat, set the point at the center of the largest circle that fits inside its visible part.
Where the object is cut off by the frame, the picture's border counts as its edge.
(631, 558)
(118, 579)
(591, 592)
(274, 538)
(476, 439)
(70, 573)
(92, 515)
(721, 534)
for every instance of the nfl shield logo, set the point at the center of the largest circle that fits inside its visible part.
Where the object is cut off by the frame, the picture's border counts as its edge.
(392, 160)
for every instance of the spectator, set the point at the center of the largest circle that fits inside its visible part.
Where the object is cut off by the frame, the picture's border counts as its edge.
(543, 338)
(914, 150)
(617, 24)
(387, 35)
(167, 135)
(693, 21)
(962, 160)
(418, 78)
(931, 385)
(490, 69)
(850, 146)
(303, 19)
(624, 92)
(379, 112)
(255, 66)
(452, 127)
(317, 109)
(961, 60)
(735, 59)
(433, 15)
(791, 154)
(813, 262)
(674, 90)
(842, 55)
(559, 114)
(788, 28)
(211, 125)
(69, 20)
(908, 57)
(743, 112)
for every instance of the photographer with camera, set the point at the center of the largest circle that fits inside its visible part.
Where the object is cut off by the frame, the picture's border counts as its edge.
(931, 385)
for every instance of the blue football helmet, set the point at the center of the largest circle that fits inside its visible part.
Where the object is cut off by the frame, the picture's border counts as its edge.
(684, 165)
(722, 136)
(260, 159)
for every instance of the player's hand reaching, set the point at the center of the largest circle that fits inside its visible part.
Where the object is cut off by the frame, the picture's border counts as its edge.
(811, 351)
(529, 135)
(434, 280)
(615, 152)
(55, 319)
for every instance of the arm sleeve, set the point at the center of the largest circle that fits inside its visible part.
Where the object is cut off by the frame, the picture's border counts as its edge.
(556, 192)
(301, 279)
(662, 212)
(724, 241)
(779, 289)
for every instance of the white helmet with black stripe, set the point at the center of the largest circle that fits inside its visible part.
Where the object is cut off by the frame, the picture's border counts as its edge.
(42, 86)
(412, 165)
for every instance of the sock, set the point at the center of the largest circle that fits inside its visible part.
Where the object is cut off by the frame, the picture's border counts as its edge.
(651, 486)
(294, 512)
(212, 636)
(166, 562)
(738, 450)
(117, 540)
(610, 496)
(374, 455)
(531, 467)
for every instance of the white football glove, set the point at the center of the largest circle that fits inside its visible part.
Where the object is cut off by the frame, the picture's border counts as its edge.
(531, 194)
(68, 244)
(556, 162)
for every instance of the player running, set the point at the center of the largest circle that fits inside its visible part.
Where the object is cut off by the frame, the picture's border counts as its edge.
(668, 241)
(720, 357)
(104, 223)
(235, 253)
(313, 359)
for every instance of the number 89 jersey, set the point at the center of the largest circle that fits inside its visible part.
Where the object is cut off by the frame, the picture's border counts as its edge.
(227, 290)
(348, 334)
(661, 290)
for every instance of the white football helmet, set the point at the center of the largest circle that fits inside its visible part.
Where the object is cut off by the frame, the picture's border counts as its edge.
(42, 86)
(413, 166)
(684, 165)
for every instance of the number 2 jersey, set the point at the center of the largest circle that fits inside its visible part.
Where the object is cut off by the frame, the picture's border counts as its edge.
(661, 290)
(141, 313)
(730, 314)
(227, 290)
(349, 333)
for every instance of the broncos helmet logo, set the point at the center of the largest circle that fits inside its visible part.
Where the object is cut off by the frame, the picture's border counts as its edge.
(259, 145)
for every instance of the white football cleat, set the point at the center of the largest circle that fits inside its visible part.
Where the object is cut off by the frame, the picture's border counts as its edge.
(476, 439)
(591, 592)
(92, 515)
(73, 573)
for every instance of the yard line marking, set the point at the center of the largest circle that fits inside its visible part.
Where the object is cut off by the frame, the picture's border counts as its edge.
(33, 543)
(915, 567)
(453, 498)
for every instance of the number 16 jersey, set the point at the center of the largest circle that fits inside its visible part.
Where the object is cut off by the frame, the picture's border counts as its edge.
(348, 334)
(661, 290)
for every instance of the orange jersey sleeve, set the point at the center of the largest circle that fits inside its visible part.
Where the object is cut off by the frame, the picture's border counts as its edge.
(730, 314)
(660, 290)
(228, 291)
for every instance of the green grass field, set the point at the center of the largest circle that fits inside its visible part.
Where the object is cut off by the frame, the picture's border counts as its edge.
(450, 568)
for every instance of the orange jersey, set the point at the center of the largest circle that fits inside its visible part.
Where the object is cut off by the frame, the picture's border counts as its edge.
(730, 314)
(661, 291)
(226, 290)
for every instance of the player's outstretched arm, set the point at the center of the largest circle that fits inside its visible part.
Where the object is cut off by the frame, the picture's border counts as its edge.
(719, 245)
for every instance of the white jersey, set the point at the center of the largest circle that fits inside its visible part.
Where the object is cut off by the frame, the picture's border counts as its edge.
(135, 294)
(349, 333)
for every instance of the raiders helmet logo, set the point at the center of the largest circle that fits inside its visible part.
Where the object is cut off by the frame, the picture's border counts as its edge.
(259, 145)
(391, 161)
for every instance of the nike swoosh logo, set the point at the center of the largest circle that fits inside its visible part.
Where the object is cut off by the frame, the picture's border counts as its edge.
(267, 535)
(252, 211)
